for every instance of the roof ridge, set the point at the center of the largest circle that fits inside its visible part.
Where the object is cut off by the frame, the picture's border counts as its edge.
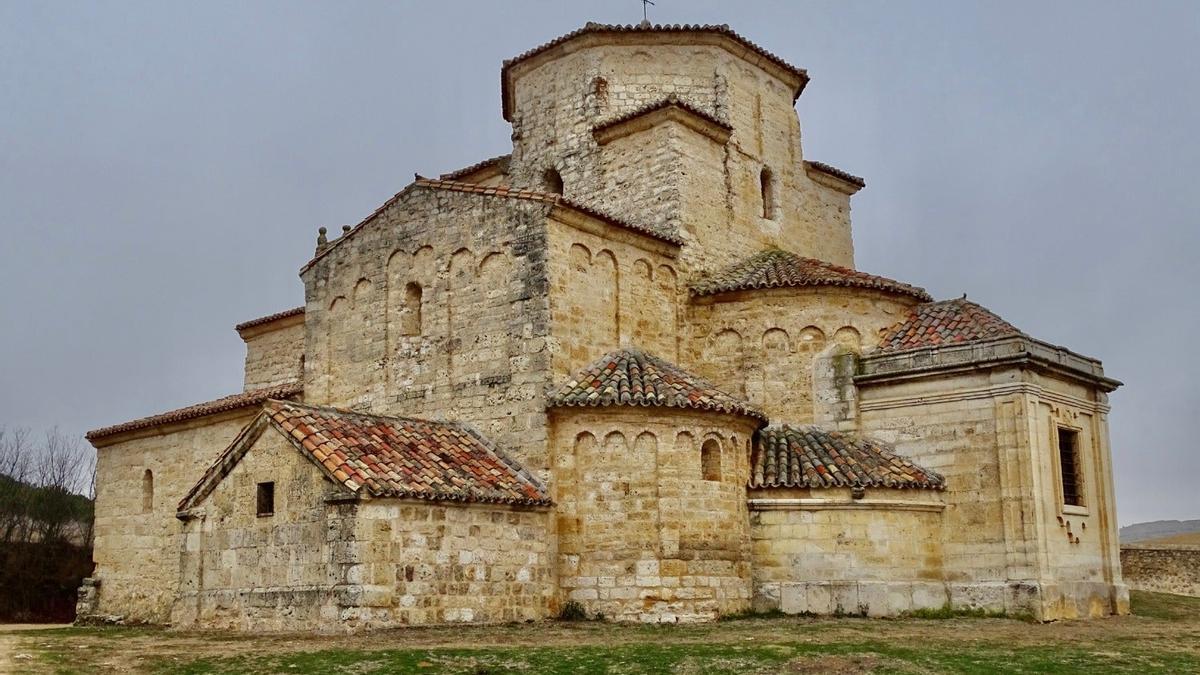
(762, 270)
(667, 101)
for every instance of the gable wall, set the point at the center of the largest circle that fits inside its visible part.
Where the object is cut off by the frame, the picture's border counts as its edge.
(239, 570)
(480, 353)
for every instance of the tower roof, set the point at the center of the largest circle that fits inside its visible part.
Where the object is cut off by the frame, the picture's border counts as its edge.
(946, 322)
(811, 457)
(718, 34)
(776, 268)
(632, 377)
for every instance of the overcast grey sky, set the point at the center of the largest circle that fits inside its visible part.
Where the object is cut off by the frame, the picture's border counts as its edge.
(164, 168)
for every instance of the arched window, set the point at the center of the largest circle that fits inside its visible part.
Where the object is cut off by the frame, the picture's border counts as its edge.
(710, 459)
(553, 181)
(410, 323)
(766, 182)
(147, 491)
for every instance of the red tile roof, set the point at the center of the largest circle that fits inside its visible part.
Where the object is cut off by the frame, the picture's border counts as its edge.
(467, 170)
(245, 399)
(811, 457)
(631, 377)
(598, 28)
(388, 457)
(667, 102)
(295, 311)
(836, 172)
(947, 322)
(775, 268)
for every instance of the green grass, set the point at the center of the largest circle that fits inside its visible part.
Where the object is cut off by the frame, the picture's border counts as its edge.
(1163, 637)
(704, 658)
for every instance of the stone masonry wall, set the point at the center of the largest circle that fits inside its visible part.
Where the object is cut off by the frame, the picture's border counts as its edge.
(421, 563)
(136, 548)
(275, 356)
(824, 552)
(642, 534)
(245, 571)
(557, 103)
(437, 308)
(762, 345)
(1005, 529)
(607, 290)
(1162, 569)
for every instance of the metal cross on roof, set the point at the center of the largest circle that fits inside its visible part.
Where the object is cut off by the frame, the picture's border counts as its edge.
(645, 10)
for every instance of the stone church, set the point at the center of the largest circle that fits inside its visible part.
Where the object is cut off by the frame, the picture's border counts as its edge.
(630, 367)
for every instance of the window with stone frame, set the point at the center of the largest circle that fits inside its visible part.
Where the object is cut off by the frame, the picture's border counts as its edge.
(710, 460)
(1070, 471)
(147, 491)
(266, 499)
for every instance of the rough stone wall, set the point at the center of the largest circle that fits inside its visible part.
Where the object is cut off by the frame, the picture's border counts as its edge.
(275, 356)
(762, 344)
(286, 571)
(1005, 528)
(642, 534)
(824, 552)
(557, 103)
(607, 290)
(136, 552)
(1162, 569)
(421, 563)
(437, 308)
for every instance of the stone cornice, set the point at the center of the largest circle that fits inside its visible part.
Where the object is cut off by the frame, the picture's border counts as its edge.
(820, 504)
(1010, 351)
(986, 392)
(668, 110)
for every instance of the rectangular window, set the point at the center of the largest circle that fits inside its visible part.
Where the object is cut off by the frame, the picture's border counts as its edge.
(266, 499)
(1068, 463)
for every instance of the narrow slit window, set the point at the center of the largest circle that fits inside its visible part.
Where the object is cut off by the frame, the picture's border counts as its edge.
(1068, 461)
(710, 460)
(411, 321)
(147, 491)
(266, 499)
(767, 188)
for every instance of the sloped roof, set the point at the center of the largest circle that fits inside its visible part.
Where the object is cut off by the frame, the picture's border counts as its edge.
(669, 101)
(776, 268)
(811, 457)
(295, 311)
(662, 234)
(389, 457)
(645, 27)
(836, 172)
(632, 377)
(501, 160)
(946, 322)
(245, 399)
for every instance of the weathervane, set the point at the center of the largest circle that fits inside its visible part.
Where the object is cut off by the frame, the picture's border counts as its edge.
(645, 10)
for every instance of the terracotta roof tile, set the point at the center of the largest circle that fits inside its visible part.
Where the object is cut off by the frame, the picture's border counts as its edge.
(667, 102)
(594, 28)
(775, 268)
(389, 457)
(245, 399)
(631, 377)
(946, 322)
(295, 311)
(834, 171)
(467, 170)
(810, 457)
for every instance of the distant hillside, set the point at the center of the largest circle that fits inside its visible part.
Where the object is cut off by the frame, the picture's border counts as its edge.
(1178, 531)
